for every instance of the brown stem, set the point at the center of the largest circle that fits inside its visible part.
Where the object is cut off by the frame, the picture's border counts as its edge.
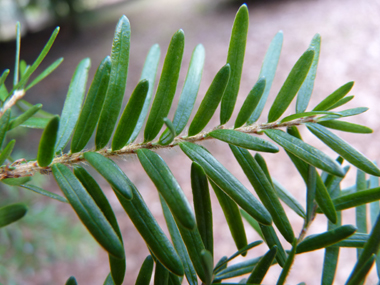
(22, 169)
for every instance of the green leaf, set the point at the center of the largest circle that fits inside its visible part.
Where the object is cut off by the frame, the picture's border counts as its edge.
(268, 71)
(304, 151)
(356, 240)
(211, 100)
(346, 127)
(3, 77)
(179, 244)
(374, 212)
(41, 191)
(194, 245)
(109, 280)
(344, 149)
(341, 102)
(25, 105)
(149, 73)
(166, 86)
(45, 153)
(130, 116)
(343, 114)
(221, 264)
(318, 241)
(170, 135)
(150, 231)
(23, 68)
(235, 59)
(371, 247)
(226, 181)
(250, 103)
(146, 270)
(17, 60)
(45, 73)
(36, 123)
(374, 206)
(208, 264)
(361, 211)
(243, 140)
(237, 269)
(202, 205)
(7, 151)
(288, 264)
(243, 251)
(331, 257)
(16, 181)
(291, 85)
(289, 199)
(330, 263)
(168, 187)
(360, 275)
(15, 122)
(332, 182)
(271, 239)
(37, 62)
(233, 217)
(73, 104)
(264, 167)
(174, 279)
(254, 224)
(264, 190)
(92, 107)
(117, 265)
(324, 201)
(306, 89)
(322, 196)
(161, 275)
(192, 240)
(356, 199)
(111, 172)
(334, 97)
(117, 82)
(4, 125)
(306, 114)
(262, 266)
(3, 92)
(311, 186)
(12, 213)
(87, 210)
(189, 93)
(71, 281)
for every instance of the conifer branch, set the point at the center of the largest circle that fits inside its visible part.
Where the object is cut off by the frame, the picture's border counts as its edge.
(22, 168)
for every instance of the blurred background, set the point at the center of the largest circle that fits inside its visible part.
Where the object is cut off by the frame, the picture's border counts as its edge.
(49, 244)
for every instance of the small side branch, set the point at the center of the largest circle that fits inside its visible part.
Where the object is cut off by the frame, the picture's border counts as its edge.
(22, 169)
(17, 95)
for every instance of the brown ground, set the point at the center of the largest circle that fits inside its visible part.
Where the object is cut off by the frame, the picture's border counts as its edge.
(350, 51)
